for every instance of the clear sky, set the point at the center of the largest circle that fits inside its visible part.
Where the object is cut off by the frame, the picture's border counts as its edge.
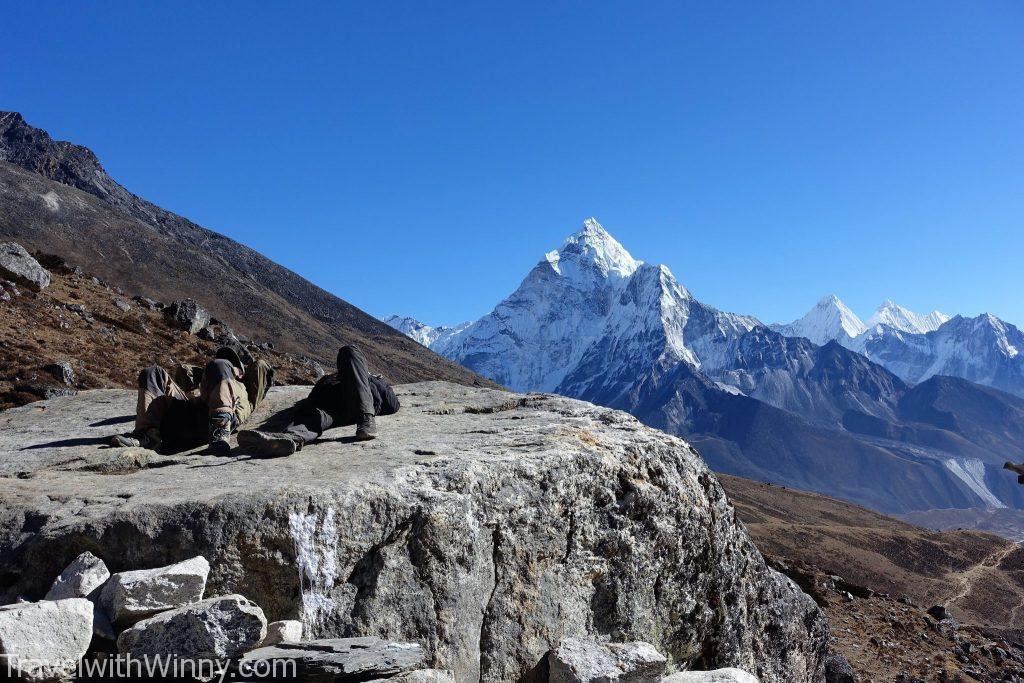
(421, 157)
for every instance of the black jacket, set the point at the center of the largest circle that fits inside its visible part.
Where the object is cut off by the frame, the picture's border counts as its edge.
(339, 401)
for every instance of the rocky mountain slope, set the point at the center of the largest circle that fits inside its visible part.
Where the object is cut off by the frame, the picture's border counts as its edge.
(592, 322)
(916, 346)
(56, 198)
(485, 525)
(984, 349)
(80, 333)
(875, 576)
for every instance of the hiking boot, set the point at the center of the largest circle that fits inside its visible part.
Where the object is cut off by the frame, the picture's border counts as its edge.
(269, 444)
(220, 425)
(140, 438)
(367, 428)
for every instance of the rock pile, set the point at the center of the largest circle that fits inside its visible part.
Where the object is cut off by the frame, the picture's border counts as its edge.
(160, 613)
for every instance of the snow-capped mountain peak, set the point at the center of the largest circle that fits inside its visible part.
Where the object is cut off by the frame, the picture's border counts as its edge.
(830, 319)
(897, 317)
(590, 250)
(425, 334)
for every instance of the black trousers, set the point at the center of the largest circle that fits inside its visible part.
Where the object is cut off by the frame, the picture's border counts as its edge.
(339, 401)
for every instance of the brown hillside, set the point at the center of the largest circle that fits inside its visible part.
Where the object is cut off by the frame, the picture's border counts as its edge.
(978, 576)
(56, 198)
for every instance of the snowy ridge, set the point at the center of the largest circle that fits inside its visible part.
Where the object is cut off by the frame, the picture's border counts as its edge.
(829, 320)
(589, 303)
(591, 322)
(420, 332)
(899, 318)
(917, 346)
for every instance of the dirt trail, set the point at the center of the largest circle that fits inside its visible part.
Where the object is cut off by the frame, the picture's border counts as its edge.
(968, 577)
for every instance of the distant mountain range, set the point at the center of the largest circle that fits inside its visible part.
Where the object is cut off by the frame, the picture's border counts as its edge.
(916, 347)
(55, 197)
(592, 322)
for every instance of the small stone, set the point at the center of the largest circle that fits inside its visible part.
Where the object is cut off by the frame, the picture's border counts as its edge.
(577, 660)
(56, 632)
(838, 670)
(215, 628)
(81, 579)
(146, 302)
(207, 334)
(187, 314)
(18, 265)
(130, 596)
(639, 661)
(287, 631)
(729, 675)
(62, 372)
(122, 305)
(939, 612)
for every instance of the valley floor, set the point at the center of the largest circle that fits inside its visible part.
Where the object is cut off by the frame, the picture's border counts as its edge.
(876, 576)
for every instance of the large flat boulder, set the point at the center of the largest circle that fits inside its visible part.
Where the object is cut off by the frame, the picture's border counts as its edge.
(338, 659)
(44, 640)
(486, 525)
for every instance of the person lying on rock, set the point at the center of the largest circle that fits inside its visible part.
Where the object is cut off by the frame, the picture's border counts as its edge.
(352, 396)
(199, 405)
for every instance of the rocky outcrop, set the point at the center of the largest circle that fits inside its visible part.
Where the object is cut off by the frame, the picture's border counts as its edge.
(485, 525)
(18, 265)
(62, 372)
(215, 628)
(133, 595)
(44, 640)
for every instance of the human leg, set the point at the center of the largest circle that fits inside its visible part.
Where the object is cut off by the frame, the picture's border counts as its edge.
(354, 377)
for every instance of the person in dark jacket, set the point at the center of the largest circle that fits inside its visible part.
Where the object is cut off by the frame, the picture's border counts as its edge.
(352, 396)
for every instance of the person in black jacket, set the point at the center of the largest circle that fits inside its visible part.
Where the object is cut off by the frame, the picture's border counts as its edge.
(352, 396)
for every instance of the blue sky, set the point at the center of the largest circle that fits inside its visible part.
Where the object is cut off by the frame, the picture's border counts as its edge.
(421, 157)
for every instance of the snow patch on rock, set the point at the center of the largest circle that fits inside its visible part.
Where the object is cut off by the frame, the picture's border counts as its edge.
(316, 540)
